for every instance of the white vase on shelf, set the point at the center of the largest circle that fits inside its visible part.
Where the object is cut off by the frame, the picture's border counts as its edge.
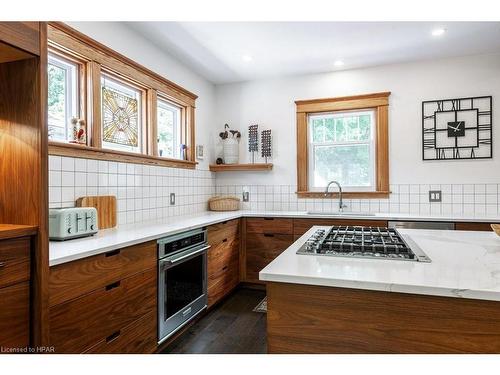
(231, 149)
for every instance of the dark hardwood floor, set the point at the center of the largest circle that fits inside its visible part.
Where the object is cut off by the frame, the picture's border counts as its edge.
(232, 327)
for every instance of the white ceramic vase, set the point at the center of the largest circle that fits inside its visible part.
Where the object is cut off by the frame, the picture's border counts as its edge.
(231, 150)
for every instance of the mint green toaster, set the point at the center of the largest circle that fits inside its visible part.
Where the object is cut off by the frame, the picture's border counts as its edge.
(72, 222)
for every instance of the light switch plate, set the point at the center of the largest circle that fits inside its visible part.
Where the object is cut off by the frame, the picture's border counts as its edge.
(172, 199)
(434, 196)
(246, 196)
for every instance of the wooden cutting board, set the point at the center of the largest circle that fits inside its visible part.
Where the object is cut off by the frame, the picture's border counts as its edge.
(106, 209)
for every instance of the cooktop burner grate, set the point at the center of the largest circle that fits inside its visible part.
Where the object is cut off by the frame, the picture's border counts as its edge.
(363, 242)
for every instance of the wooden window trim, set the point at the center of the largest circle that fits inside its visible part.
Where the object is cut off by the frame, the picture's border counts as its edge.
(100, 58)
(379, 102)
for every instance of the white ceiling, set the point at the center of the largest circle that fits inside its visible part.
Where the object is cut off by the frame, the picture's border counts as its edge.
(215, 49)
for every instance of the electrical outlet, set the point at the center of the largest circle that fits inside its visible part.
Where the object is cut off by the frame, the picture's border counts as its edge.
(172, 199)
(434, 196)
(246, 196)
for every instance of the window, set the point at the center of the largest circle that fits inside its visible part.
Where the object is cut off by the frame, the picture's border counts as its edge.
(343, 139)
(121, 115)
(169, 129)
(342, 148)
(129, 112)
(62, 97)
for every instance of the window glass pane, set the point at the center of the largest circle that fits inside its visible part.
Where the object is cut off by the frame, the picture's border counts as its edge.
(121, 115)
(350, 165)
(169, 129)
(62, 97)
(329, 129)
(340, 133)
(318, 130)
(342, 148)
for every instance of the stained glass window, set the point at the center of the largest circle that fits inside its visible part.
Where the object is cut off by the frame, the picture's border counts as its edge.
(169, 129)
(121, 115)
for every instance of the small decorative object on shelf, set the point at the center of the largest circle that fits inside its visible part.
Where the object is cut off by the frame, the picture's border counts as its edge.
(253, 140)
(219, 161)
(230, 146)
(266, 144)
(79, 132)
(183, 151)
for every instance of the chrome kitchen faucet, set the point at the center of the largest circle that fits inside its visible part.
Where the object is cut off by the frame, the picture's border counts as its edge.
(341, 204)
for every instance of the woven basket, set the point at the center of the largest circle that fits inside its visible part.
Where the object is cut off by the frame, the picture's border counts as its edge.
(224, 203)
(496, 228)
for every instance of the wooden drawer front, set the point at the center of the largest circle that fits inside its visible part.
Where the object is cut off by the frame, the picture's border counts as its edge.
(269, 225)
(73, 279)
(14, 315)
(219, 232)
(139, 337)
(78, 325)
(484, 227)
(300, 226)
(261, 250)
(14, 261)
(223, 269)
(221, 283)
(23, 35)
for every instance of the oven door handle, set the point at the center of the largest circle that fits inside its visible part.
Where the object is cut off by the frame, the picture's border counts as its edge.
(176, 260)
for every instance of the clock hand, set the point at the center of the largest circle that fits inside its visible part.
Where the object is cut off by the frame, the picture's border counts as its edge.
(455, 129)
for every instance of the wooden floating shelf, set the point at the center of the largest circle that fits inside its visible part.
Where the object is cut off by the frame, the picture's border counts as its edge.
(241, 167)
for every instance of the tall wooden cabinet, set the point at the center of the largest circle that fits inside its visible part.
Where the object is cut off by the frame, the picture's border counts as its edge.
(23, 158)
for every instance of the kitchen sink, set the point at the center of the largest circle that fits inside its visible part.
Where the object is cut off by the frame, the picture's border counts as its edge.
(340, 213)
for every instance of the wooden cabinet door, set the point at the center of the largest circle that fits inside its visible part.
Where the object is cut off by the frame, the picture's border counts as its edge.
(483, 227)
(262, 249)
(14, 316)
(14, 261)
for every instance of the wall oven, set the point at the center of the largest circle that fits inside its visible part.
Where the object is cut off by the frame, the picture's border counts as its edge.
(182, 280)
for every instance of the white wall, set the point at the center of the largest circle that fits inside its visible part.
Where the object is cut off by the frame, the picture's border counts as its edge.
(122, 39)
(270, 103)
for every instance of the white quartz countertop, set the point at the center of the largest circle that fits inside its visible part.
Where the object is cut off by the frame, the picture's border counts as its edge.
(464, 265)
(131, 234)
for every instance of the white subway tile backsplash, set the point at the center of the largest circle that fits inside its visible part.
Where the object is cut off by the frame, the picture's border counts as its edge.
(143, 192)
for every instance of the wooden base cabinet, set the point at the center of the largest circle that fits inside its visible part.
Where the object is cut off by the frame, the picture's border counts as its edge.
(318, 320)
(265, 239)
(14, 292)
(223, 260)
(106, 303)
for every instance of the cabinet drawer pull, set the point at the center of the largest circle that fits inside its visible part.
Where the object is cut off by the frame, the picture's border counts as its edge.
(268, 235)
(112, 253)
(269, 218)
(113, 336)
(224, 240)
(224, 268)
(224, 222)
(113, 286)
(2, 264)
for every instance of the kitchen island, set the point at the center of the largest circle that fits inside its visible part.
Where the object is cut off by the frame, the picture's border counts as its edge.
(321, 304)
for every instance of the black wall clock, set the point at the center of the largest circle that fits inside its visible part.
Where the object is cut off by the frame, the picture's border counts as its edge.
(457, 128)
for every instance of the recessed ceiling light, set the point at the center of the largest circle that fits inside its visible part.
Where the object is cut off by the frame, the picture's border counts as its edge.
(338, 63)
(247, 58)
(438, 32)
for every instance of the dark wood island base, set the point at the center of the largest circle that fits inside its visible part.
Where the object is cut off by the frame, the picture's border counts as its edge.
(317, 319)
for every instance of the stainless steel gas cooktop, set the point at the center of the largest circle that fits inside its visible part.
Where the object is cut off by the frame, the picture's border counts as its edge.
(363, 242)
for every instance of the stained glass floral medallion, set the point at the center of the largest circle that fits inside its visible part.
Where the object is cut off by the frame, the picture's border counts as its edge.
(120, 118)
